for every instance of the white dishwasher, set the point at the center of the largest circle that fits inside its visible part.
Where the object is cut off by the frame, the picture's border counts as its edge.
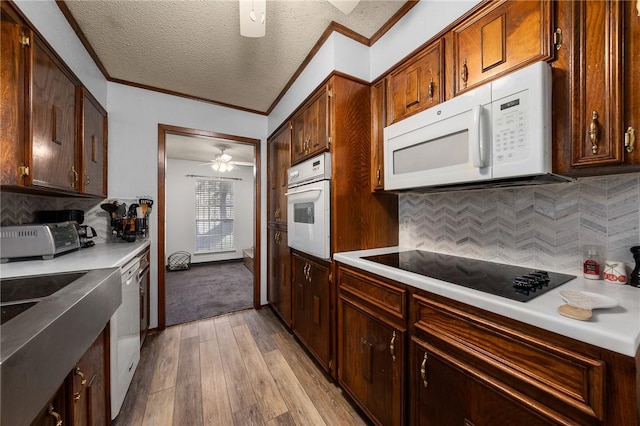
(125, 336)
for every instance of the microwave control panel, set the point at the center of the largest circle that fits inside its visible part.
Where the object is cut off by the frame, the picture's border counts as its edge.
(510, 142)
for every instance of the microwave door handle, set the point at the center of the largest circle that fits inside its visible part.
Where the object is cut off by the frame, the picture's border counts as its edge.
(303, 191)
(476, 138)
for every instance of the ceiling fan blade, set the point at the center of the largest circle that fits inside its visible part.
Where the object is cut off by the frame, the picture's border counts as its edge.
(344, 6)
(242, 163)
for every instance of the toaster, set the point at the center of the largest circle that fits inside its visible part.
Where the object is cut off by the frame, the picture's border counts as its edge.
(44, 240)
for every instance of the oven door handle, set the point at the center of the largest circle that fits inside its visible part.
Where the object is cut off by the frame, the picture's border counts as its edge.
(303, 191)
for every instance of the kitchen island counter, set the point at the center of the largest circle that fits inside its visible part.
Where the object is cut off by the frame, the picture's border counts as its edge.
(105, 255)
(616, 329)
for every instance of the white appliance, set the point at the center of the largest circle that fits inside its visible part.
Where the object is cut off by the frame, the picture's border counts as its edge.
(496, 134)
(308, 206)
(125, 336)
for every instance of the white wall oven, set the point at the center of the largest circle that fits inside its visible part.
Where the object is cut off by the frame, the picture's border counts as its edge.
(308, 206)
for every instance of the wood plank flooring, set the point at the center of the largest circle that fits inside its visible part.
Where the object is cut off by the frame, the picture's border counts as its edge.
(243, 369)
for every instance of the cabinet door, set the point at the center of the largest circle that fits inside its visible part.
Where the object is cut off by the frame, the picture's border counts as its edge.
(14, 42)
(371, 362)
(378, 122)
(445, 394)
(311, 322)
(279, 160)
(93, 134)
(417, 85)
(631, 124)
(53, 116)
(55, 410)
(279, 273)
(310, 128)
(502, 36)
(89, 399)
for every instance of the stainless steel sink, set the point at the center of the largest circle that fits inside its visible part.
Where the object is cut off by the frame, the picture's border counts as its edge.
(48, 323)
(19, 294)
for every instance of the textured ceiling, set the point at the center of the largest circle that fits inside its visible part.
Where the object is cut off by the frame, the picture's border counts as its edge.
(194, 48)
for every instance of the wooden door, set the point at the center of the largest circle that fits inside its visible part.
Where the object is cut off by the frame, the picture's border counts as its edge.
(89, 398)
(311, 127)
(371, 363)
(501, 37)
(444, 393)
(311, 309)
(417, 85)
(14, 46)
(53, 121)
(93, 144)
(279, 274)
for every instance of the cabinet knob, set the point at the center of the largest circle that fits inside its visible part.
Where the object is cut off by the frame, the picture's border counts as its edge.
(83, 383)
(423, 371)
(594, 132)
(630, 137)
(74, 177)
(392, 346)
(464, 74)
(56, 416)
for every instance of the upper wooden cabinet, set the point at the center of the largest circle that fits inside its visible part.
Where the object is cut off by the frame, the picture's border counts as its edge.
(502, 36)
(417, 85)
(278, 163)
(311, 127)
(596, 107)
(53, 131)
(93, 144)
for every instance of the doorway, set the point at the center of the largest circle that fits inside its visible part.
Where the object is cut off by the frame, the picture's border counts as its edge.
(165, 135)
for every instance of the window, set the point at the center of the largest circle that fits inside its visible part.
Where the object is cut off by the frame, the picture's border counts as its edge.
(214, 216)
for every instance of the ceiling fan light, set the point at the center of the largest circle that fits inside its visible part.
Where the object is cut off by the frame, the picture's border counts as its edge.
(249, 25)
(215, 166)
(229, 167)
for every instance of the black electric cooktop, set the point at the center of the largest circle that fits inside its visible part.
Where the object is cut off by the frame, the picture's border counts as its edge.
(512, 282)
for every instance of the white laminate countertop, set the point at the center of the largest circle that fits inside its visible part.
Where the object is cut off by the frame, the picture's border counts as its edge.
(105, 255)
(616, 329)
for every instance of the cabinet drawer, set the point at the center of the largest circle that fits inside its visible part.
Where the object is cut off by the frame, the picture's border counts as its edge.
(382, 295)
(563, 378)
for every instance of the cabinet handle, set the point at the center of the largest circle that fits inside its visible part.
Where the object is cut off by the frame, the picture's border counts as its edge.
(83, 383)
(55, 415)
(464, 74)
(430, 90)
(630, 134)
(87, 179)
(423, 371)
(277, 214)
(557, 38)
(75, 176)
(392, 346)
(378, 174)
(594, 132)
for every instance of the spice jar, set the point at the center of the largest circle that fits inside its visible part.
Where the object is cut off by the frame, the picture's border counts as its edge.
(591, 263)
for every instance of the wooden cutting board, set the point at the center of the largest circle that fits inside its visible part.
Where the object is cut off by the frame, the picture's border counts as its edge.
(575, 313)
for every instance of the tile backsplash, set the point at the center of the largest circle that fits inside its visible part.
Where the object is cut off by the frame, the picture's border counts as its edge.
(544, 226)
(17, 209)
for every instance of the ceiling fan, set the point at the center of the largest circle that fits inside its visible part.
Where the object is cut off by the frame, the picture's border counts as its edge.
(253, 15)
(224, 163)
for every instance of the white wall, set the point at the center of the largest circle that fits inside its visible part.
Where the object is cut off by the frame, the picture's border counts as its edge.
(180, 232)
(134, 115)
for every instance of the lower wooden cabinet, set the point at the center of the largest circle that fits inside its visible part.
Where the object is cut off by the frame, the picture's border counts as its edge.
(83, 398)
(371, 362)
(144, 283)
(279, 291)
(312, 307)
(444, 393)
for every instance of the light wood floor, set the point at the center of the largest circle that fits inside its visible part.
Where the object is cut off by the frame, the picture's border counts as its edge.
(243, 368)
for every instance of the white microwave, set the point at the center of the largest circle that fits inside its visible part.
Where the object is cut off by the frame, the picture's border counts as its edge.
(495, 134)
